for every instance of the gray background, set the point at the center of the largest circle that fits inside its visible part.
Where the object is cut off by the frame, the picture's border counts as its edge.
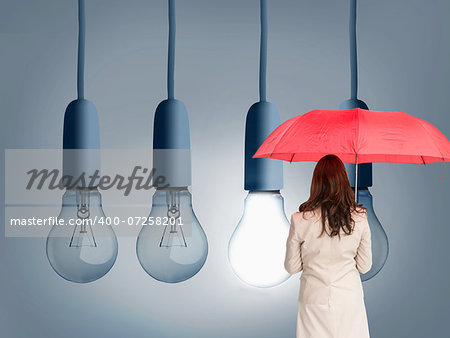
(404, 58)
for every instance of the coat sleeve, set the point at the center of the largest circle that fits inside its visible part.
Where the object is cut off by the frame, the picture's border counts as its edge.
(293, 260)
(364, 253)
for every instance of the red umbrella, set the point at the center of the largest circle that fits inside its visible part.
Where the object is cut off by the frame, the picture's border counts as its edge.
(357, 136)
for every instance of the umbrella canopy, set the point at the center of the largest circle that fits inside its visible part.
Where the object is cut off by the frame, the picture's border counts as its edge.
(357, 136)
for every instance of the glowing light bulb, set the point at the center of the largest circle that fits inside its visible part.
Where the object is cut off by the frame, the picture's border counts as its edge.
(380, 244)
(172, 246)
(257, 247)
(85, 248)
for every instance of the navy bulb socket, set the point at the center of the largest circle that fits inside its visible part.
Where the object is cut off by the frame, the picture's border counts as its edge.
(352, 104)
(364, 169)
(171, 145)
(261, 174)
(171, 126)
(81, 145)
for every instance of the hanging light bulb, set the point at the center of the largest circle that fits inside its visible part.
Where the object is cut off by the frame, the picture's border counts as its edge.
(257, 246)
(172, 246)
(83, 251)
(380, 244)
(83, 248)
(363, 180)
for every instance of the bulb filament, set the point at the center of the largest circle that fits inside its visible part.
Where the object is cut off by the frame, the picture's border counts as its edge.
(83, 234)
(175, 235)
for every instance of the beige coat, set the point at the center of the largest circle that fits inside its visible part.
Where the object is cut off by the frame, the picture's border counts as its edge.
(331, 298)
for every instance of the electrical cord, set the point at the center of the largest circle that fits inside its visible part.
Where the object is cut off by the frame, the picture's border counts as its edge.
(81, 48)
(171, 51)
(263, 52)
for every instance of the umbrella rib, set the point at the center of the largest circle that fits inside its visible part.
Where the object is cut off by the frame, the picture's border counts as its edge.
(423, 160)
(429, 137)
(286, 130)
(292, 158)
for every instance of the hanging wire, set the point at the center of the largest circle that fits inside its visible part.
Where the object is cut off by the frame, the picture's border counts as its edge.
(263, 52)
(81, 47)
(353, 51)
(171, 51)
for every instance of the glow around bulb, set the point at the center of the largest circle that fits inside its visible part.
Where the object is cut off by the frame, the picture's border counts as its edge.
(172, 246)
(84, 249)
(380, 244)
(257, 247)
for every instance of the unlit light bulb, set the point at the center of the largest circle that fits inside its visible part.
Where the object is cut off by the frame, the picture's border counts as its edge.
(172, 246)
(380, 244)
(85, 248)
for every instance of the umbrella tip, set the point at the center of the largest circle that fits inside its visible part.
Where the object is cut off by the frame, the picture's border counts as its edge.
(443, 173)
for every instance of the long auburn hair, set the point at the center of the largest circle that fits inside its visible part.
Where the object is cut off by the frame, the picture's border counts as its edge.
(332, 193)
